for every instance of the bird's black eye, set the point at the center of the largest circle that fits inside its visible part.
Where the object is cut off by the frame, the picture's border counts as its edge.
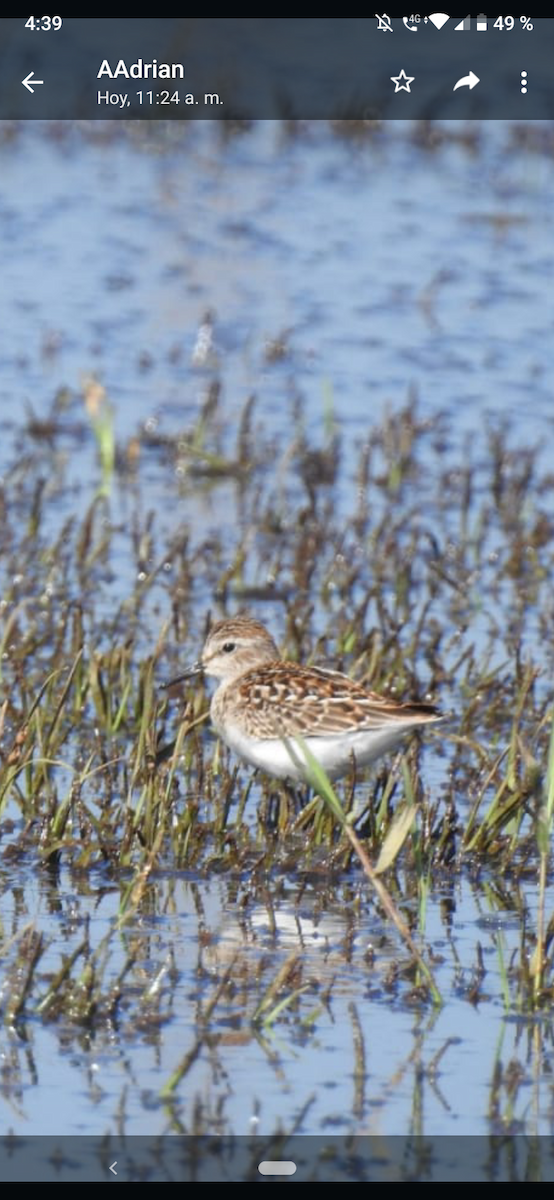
(229, 647)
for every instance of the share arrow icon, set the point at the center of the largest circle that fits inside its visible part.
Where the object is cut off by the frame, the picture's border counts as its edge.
(468, 81)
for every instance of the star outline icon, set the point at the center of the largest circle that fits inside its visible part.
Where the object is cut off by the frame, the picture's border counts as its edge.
(402, 82)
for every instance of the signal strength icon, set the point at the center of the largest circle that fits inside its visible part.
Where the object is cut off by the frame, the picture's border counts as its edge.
(465, 24)
(439, 19)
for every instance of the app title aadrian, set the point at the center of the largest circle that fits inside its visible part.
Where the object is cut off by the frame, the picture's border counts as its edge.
(142, 70)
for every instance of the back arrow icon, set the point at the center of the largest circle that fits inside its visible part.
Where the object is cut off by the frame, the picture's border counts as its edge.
(27, 82)
(467, 81)
(114, 1164)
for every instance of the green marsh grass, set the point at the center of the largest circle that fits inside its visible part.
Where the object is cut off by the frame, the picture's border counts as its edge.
(541, 963)
(101, 415)
(389, 850)
(103, 774)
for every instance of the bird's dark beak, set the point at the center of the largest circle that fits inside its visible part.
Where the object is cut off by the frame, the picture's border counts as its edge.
(195, 669)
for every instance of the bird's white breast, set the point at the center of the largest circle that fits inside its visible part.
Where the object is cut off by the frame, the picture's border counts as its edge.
(335, 753)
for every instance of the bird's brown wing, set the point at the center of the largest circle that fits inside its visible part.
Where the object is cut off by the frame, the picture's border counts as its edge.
(287, 700)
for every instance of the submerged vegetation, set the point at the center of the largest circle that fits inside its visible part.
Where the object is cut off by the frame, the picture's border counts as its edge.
(436, 583)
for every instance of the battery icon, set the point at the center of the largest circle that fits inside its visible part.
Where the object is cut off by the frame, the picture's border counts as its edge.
(482, 24)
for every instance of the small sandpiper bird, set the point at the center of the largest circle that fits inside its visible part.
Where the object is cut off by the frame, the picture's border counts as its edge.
(264, 704)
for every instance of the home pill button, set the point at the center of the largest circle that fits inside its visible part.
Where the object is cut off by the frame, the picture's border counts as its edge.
(277, 1168)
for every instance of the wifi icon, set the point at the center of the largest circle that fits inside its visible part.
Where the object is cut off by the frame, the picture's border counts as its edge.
(439, 19)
